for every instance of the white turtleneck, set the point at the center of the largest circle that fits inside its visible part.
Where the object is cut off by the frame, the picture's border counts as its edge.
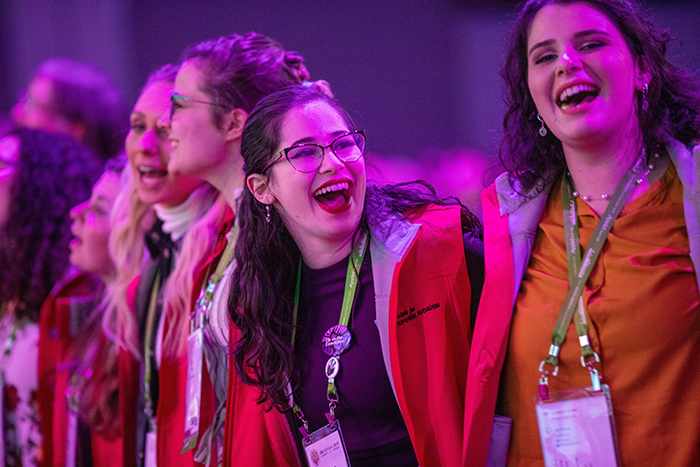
(177, 220)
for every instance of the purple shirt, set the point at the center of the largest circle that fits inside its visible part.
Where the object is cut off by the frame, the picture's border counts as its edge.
(370, 419)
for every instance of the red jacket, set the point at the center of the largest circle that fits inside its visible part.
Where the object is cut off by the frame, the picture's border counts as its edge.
(173, 372)
(58, 327)
(428, 355)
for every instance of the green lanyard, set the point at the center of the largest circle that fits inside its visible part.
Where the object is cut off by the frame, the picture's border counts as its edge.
(351, 281)
(205, 298)
(150, 318)
(580, 270)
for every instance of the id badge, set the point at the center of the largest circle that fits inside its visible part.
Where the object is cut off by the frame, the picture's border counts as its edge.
(194, 389)
(577, 428)
(71, 438)
(150, 455)
(326, 448)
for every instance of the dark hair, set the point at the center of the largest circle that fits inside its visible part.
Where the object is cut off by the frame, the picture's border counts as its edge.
(261, 296)
(83, 93)
(53, 174)
(673, 96)
(239, 70)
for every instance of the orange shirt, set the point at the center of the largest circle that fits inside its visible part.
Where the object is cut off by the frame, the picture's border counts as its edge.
(644, 307)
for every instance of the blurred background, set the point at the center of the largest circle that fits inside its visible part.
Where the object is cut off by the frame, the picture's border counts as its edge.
(420, 76)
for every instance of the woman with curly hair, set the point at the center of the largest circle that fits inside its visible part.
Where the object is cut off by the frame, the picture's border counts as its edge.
(400, 266)
(41, 177)
(596, 222)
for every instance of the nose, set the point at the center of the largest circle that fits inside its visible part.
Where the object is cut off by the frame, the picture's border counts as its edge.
(163, 123)
(568, 61)
(330, 162)
(77, 210)
(149, 141)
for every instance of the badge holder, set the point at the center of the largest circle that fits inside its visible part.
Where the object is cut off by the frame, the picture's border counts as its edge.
(577, 427)
(193, 390)
(326, 448)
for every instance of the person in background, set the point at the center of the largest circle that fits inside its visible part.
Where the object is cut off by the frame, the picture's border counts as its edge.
(219, 83)
(383, 280)
(42, 176)
(86, 429)
(151, 217)
(77, 99)
(599, 136)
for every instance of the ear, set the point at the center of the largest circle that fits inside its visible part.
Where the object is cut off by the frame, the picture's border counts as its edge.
(260, 188)
(234, 123)
(643, 75)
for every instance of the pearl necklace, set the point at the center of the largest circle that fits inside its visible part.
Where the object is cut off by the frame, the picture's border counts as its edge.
(638, 182)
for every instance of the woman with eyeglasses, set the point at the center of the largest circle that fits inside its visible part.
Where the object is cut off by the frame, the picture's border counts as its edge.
(592, 249)
(153, 258)
(218, 84)
(351, 303)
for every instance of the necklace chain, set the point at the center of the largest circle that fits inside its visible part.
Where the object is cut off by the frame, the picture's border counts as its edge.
(638, 182)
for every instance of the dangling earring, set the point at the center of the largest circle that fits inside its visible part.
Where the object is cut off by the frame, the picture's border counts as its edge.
(543, 130)
(645, 102)
(267, 215)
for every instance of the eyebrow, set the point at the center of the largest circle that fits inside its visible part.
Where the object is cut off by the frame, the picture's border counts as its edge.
(310, 139)
(577, 35)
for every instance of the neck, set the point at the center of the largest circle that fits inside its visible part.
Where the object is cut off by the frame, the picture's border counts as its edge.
(597, 171)
(318, 253)
(228, 176)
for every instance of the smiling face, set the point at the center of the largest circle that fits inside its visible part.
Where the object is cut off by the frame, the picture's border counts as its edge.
(9, 156)
(89, 249)
(198, 145)
(148, 149)
(324, 205)
(582, 75)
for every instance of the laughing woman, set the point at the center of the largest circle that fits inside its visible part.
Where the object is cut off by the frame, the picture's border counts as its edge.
(378, 274)
(596, 219)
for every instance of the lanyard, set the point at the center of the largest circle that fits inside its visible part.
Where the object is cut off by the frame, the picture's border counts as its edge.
(204, 301)
(148, 408)
(580, 270)
(332, 367)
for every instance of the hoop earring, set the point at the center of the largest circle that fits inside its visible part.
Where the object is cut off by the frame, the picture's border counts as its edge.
(267, 215)
(645, 102)
(543, 130)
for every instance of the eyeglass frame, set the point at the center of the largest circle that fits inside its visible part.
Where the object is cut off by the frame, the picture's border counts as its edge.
(284, 152)
(174, 96)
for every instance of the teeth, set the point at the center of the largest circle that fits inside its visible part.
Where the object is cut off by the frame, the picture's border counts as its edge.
(568, 92)
(330, 188)
(147, 170)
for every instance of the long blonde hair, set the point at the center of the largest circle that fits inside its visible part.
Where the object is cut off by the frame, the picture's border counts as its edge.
(199, 242)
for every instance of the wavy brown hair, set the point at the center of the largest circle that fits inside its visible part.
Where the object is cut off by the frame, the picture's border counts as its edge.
(673, 96)
(53, 174)
(262, 288)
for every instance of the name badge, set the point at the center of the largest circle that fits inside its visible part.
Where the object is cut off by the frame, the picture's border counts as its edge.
(326, 448)
(193, 390)
(577, 428)
(150, 455)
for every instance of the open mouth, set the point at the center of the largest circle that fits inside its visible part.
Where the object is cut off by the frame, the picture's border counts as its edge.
(151, 172)
(577, 95)
(333, 195)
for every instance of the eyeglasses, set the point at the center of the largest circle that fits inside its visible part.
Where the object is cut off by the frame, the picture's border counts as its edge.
(174, 105)
(308, 157)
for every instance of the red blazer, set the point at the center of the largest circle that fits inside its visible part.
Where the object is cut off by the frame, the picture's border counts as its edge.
(429, 355)
(56, 339)
(173, 373)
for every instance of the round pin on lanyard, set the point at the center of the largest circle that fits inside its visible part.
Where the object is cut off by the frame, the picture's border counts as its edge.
(326, 444)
